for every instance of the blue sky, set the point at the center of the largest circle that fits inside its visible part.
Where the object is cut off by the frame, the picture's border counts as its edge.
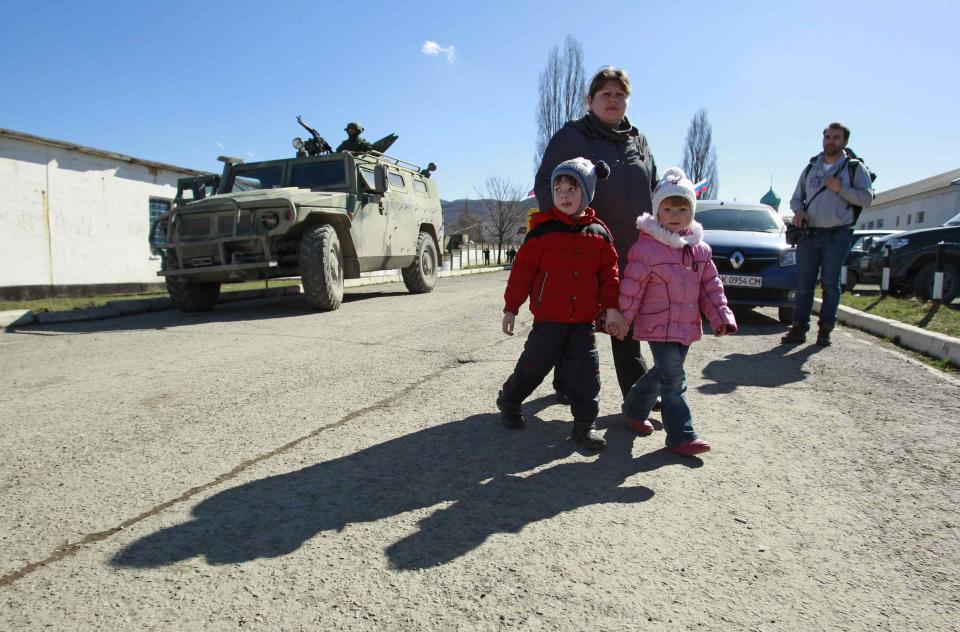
(182, 82)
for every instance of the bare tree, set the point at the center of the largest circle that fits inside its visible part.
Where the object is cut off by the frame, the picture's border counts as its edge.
(506, 213)
(700, 156)
(563, 91)
(468, 223)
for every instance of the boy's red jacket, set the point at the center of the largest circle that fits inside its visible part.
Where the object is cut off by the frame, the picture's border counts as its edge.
(567, 267)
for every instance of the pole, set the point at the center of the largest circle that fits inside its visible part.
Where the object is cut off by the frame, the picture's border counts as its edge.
(937, 294)
(885, 278)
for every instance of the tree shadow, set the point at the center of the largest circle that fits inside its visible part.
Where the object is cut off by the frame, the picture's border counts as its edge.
(473, 463)
(235, 311)
(934, 308)
(783, 364)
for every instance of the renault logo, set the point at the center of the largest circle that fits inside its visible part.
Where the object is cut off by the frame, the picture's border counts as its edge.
(736, 259)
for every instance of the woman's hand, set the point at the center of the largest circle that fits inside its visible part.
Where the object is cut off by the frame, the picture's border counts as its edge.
(724, 330)
(615, 325)
(507, 323)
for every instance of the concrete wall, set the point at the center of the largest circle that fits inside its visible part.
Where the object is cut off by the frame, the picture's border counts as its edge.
(937, 207)
(70, 217)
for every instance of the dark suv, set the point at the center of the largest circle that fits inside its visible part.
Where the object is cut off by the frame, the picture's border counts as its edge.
(862, 240)
(912, 261)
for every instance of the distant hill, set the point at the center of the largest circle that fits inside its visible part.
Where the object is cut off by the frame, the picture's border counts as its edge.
(452, 208)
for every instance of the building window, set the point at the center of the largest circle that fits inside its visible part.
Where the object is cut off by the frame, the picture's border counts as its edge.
(919, 216)
(158, 206)
(909, 218)
(870, 225)
(897, 223)
(880, 223)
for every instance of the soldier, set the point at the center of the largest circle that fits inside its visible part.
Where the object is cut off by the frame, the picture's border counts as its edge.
(354, 141)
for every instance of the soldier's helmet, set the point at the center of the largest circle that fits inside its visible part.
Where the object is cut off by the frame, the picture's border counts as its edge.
(353, 127)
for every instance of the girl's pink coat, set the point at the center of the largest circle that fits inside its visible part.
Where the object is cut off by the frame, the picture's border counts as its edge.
(669, 280)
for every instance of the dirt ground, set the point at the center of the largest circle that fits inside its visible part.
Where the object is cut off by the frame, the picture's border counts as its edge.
(266, 467)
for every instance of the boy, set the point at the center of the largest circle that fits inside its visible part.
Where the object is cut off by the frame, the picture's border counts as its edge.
(567, 265)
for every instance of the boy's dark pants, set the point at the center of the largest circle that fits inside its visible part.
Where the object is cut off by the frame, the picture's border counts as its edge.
(580, 368)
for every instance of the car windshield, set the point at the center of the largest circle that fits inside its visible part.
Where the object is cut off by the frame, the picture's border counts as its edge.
(953, 221)
(319, 175)
(256, 178)
(730, 218)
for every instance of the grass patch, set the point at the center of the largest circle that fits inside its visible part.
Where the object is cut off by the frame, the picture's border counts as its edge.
(944, 319)
(67, 304)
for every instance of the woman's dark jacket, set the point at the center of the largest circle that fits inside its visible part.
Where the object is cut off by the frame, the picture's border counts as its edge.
(633, 173)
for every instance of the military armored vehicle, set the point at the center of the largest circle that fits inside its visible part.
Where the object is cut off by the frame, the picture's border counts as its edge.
(322, 216)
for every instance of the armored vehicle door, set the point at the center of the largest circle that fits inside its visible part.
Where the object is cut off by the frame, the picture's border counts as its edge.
(370, 223)
(403, 221)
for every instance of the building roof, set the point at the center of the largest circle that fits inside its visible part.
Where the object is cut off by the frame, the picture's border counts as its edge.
(942, 181)
(102, 153)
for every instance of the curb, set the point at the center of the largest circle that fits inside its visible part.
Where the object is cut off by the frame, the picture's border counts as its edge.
(113, 309)
(931, 343)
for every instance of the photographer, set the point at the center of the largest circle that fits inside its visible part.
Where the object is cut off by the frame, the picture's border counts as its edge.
(822, 205)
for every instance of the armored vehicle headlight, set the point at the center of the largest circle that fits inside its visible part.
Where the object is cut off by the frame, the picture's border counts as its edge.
(269, 220)
(899, 242)
(298, 143)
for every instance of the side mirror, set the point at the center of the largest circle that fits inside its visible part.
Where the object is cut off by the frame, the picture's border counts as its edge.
(380, 179)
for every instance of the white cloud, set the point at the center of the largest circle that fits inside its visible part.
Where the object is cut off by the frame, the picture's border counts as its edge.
(220, 145)
(432, 48)
(251, 154)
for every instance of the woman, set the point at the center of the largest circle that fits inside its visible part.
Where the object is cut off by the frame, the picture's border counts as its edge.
(606, 134)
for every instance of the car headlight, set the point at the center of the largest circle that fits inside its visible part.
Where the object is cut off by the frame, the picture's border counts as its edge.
(788, 257)
(899, 242)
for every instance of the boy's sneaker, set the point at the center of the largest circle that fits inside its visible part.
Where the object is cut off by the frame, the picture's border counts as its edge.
(691, 448)
(510, 418)
(588, 437)
(657, 405)
(642, 427)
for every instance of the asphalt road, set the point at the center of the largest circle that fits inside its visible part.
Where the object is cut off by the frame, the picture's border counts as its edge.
(267, 467)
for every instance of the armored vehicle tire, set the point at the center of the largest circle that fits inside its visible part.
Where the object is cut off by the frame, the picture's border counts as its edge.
(190, 296)
(421, 275)
(923, 282)
(786, 315)
(321, 267)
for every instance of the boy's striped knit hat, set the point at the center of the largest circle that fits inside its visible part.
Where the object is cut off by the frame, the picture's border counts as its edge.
(585, 173)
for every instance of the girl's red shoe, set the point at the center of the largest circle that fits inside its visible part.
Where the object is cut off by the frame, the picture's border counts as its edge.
(690, 448)
(642, 427)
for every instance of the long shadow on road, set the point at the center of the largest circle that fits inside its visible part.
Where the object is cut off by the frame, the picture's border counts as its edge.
(471, 463)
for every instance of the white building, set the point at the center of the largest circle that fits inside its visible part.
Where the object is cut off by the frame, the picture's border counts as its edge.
(922, 204)
(74, 216)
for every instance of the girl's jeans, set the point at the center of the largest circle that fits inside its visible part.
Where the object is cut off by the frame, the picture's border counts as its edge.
(668, 380)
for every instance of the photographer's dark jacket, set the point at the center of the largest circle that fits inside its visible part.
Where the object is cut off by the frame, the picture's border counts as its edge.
(567, 267)
(622, 197)
(829, 209)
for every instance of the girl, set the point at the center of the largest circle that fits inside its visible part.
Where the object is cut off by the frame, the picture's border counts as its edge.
(670, 278)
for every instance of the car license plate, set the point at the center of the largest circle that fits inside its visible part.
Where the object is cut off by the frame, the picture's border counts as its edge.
(739, 280)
